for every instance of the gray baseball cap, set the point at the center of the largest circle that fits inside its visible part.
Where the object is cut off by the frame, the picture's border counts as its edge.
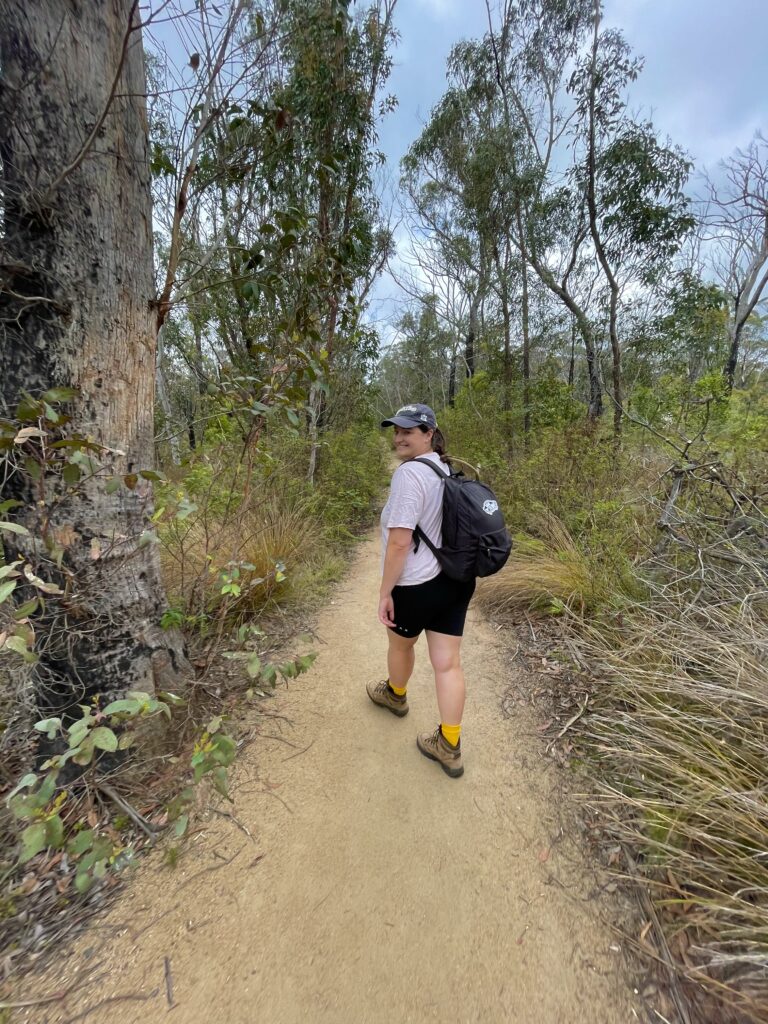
(415, 415)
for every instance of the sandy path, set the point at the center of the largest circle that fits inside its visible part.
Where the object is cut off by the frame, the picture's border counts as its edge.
(387, 893)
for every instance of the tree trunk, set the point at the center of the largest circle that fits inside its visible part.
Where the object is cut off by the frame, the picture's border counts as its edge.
(469, 344)
(76, 308)
(452, 381)
(733, 353)
(526, 355)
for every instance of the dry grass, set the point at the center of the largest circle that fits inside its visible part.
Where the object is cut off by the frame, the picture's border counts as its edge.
(679, 727)
(547, 572)
(201, 553)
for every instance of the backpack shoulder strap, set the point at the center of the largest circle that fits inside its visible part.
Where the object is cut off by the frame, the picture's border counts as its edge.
(418, 533)
(434, 468)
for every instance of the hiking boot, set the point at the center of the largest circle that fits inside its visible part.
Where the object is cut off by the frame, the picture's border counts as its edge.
(383, 695)
(437, 748)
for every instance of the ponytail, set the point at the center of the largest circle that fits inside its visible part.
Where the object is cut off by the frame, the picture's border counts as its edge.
(438, 444)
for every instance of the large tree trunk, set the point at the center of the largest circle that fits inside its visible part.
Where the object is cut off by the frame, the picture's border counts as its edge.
(76, 309)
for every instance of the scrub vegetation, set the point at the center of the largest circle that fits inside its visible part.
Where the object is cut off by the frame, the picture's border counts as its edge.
(582, 306)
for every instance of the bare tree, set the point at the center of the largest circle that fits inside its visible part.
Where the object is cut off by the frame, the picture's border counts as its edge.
(736, 223)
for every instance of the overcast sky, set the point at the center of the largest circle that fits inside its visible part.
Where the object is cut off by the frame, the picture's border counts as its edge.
(705, 82)
(705, 79)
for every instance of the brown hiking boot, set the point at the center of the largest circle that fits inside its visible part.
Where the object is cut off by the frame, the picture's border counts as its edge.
(383, 695)
(437, 748)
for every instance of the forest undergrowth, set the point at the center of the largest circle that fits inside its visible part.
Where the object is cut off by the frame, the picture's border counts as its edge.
(650, 559)
(249, 549)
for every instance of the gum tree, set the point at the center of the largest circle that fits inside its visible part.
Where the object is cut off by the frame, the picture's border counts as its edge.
(77, 356)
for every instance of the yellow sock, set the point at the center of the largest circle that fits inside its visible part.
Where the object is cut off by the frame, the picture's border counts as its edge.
(451, 733)
(397, 690)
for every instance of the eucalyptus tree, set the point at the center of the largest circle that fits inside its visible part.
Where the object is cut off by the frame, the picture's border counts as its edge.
(77, 352)
(448, 179)
(637, 209)
(736, 225)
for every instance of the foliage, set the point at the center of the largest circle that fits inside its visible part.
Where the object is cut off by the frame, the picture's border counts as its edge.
(352, 475)
(677, 729)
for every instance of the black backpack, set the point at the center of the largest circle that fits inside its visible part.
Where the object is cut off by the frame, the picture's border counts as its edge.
(475, 539)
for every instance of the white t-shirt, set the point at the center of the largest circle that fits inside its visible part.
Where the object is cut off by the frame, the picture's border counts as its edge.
(415, 499)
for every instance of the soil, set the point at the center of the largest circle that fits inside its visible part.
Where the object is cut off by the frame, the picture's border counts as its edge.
(353, 882)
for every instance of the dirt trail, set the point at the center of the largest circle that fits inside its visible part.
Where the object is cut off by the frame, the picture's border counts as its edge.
(387, 893)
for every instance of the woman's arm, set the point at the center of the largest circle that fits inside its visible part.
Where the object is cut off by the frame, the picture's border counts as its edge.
(398, 543)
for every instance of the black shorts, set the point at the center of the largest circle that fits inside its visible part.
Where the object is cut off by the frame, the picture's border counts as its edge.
(439, 605)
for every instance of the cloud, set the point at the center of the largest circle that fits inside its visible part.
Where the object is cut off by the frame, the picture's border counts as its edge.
(442, 8)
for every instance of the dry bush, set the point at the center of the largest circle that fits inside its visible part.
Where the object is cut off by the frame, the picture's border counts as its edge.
(679, 725)
(548, 572)
(204, 552)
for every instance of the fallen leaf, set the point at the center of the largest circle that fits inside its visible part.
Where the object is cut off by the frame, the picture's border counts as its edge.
(544, 855)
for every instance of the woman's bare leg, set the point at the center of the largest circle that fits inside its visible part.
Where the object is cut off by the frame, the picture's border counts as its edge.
(400, 659)
(445, 655)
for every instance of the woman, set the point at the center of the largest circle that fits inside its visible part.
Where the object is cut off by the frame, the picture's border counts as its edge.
(415, 594)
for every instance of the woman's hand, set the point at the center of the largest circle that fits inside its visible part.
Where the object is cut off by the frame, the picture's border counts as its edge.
(387, 611)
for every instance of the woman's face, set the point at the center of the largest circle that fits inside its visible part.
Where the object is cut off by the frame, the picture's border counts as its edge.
(411, 442)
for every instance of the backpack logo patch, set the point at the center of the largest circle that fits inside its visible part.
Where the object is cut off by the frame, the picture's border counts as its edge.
(489, 507)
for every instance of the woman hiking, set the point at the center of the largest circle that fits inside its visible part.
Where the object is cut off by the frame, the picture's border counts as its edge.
(415, 594)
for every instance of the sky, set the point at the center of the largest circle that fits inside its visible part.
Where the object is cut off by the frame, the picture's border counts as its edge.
(704, 84)
(705, 79)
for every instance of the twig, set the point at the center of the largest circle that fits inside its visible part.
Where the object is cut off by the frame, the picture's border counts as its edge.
(146, 827)
(298, 752)
(212, 867)
(168, 981)
(571, 721)
(102, 117)
(232, 818)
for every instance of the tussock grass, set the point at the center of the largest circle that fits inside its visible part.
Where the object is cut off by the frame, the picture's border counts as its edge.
(548, 572)
(679, 728)
(249, 547)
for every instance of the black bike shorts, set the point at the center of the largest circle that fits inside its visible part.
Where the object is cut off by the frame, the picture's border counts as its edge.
(439, 605)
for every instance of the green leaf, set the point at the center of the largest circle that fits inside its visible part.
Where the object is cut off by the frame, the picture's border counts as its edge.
(292, 417)
(124, 706)
(6, 589)
(26, 609)
(60, 395)
(114, 484)
(83, 882)
(14, 528)
(214, 725)
(19, 645)
(126, 740)
(104, 739)
(150, 474)
(47, 789)
(24, 783)
(54, 832)
(71, 474)
(33, 840)
(81, 842)
(181, 825)
(50, 726)
(84, 752)
(219, 778)
(253, 666)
